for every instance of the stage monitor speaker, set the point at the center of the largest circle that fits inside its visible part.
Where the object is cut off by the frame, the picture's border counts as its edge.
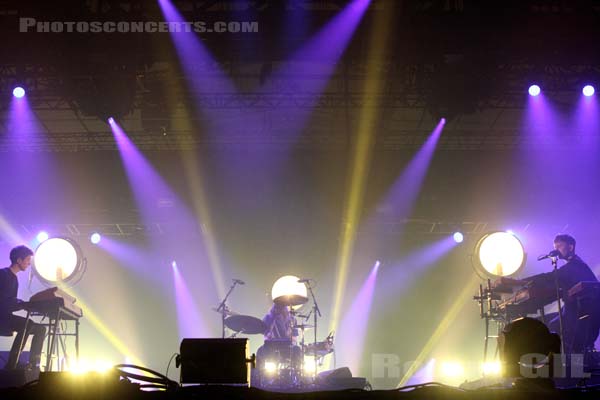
(214, 361)
(340, 379)
(88, 385)
(338, 373)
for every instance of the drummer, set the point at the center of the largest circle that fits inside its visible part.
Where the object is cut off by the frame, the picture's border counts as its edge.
(280, 324)
(281, 338)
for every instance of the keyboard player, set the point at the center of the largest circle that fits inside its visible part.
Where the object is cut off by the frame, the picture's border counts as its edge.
(20, 259)
(577, 337)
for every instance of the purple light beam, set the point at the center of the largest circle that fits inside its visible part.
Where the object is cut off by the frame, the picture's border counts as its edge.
(353, 327)
(191, 323)
(402, 195)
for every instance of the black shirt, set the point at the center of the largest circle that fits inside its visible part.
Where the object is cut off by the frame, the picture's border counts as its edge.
(9, 286)
(570, 274)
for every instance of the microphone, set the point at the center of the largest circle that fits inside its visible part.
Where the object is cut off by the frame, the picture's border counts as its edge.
(553, 253)
(238, 281)
(306, 280)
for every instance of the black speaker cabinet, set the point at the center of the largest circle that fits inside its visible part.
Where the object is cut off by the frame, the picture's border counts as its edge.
(214, 361)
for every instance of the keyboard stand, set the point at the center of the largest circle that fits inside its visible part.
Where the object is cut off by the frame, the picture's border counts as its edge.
(55, 316)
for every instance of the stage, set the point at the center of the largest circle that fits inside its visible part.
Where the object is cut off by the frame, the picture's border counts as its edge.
(381, 193)
(433, 392)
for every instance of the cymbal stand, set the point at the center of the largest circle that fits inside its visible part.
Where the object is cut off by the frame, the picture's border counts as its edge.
(224, 310)
(316, 314)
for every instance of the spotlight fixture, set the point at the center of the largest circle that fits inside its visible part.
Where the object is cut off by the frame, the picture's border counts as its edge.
(527, 345)
(588, 90)
(58, 260)
(95, 238)
(111, 120)
(18, 92)
(499, 254)
(534, 90)
(458, 237)
(42, 236)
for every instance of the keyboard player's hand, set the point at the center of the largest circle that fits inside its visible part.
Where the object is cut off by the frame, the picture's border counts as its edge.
(23, 305)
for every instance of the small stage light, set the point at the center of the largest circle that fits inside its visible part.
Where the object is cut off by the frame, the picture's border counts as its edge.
(534, 90)
(42, 236)
(492, 368)
(95, 238)
(458, 237)
(309, 366)
(588, 90)
(174, 264)
(270, 368)
(18, 92)
(111, 120)
(499, 254)
(452, 369)
(86, 366)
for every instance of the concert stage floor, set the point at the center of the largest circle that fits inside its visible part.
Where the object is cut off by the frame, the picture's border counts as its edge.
(127, 391)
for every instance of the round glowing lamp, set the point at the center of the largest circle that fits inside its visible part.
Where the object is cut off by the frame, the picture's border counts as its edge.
(588, 90)
(534, 90)
(18, 92)
(288, 291)
(499, 254)
(58, 260)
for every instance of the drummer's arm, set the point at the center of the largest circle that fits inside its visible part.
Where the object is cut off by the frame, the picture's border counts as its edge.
(296, 337)
(268, 320)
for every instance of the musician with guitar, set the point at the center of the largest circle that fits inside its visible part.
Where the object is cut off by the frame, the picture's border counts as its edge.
(20, 259)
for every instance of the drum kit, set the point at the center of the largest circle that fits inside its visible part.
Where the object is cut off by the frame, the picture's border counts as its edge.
(281, 362)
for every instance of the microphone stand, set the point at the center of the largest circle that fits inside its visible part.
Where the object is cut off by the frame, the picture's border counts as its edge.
(223, 308)
(316, 315)
(560, 317)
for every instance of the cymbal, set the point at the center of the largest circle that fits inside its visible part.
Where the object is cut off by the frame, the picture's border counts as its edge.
(291, 300)
(245, 324)
(303, 326)
(227, 311)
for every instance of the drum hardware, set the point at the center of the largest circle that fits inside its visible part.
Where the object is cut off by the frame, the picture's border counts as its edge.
(316, 313)
(227, 311)
(303, 326)
(291, 300)
(282, 361)
(223, 309)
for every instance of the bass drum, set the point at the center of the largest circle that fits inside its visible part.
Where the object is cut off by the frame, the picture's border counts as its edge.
(278, 366)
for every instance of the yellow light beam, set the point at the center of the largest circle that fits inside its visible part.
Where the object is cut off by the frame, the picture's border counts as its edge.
(204, 220)
(103, 328)
(194, 178)
(361, 161)
(441, 329)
